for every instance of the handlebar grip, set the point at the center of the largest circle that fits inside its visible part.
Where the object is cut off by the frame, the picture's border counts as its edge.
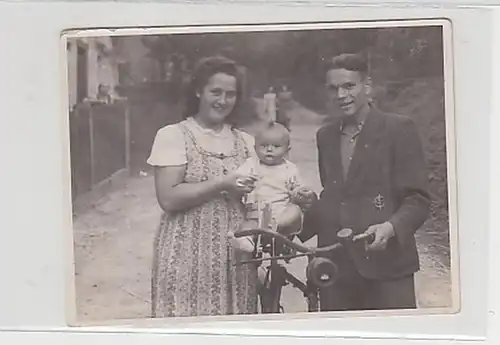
(345, 234)
(370, 239)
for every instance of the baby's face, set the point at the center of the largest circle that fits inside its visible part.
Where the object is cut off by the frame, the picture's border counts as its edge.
(272, 147)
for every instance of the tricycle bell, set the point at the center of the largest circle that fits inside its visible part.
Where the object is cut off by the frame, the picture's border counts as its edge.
(322, 272)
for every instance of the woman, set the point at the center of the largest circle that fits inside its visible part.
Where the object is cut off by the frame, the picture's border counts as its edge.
(200, 194)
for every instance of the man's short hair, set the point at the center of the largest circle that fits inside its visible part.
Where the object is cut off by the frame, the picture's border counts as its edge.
(350, 62)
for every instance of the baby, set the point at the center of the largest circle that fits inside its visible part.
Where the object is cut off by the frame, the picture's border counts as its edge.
(279, 186)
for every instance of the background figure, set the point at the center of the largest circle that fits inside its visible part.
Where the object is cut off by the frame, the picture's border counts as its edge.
(285, 98)
(104, 93)
(284, 105)
(198, 190)
(270, 105)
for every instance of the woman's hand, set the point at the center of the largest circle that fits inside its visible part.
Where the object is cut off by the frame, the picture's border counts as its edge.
(238, 184)
(175, 195)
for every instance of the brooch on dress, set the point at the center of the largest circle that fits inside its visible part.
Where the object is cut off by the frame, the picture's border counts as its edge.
(378, 202)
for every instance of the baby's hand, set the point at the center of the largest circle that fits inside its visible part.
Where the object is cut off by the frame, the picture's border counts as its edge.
(304, 197)
(244, 244)
(246, 183)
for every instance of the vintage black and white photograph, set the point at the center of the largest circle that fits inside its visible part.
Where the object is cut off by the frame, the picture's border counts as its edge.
(282, 169)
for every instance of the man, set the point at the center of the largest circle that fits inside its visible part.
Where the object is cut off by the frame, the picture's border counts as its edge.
(374, 180)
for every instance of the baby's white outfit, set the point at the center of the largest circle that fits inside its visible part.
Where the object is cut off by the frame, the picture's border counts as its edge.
(275, 184)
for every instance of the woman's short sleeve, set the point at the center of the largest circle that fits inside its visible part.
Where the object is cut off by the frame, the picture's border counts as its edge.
(168, 148)
(249, 142)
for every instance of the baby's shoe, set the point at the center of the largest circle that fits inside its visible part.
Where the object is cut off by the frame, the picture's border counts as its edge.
(261, 274)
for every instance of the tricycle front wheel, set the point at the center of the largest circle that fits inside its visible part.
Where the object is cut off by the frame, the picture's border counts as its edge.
(270, 294)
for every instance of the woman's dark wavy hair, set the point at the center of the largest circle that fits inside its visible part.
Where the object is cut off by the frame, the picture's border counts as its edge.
(206, 68)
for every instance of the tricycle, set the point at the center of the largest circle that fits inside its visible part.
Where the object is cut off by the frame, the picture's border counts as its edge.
(276, 248)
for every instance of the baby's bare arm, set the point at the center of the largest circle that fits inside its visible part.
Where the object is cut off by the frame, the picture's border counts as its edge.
(301, 194)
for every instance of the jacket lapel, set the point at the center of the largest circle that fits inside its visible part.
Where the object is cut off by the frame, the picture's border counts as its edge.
(364, 146)
(334, 155)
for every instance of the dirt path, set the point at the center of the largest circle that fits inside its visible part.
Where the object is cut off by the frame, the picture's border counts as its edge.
(113, 244)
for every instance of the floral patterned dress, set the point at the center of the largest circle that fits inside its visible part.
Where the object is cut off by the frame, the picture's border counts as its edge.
(193, 272)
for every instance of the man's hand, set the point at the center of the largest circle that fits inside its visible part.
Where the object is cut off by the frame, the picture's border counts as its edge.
(381, 233)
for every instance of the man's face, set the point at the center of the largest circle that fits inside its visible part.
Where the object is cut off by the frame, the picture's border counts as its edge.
(347, 89)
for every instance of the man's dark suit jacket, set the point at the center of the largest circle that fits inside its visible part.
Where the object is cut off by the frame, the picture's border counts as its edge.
(388, 162)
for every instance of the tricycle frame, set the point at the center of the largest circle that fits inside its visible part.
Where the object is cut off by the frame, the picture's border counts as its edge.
(282, 248)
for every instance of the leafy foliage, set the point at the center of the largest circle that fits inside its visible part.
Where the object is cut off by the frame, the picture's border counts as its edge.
(297, 57)
(423, 100)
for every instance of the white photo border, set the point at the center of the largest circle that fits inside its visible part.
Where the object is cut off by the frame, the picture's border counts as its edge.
(445, 26)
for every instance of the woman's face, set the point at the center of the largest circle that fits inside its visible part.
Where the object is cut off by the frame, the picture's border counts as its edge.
(218, 97)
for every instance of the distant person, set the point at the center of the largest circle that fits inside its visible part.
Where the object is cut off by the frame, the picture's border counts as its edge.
(270, 105)
(284, 105)
(200, 192)
(285, 94)
(373, 172)
(104, 94)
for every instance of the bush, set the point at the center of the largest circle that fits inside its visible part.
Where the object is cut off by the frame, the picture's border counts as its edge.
(423, 100)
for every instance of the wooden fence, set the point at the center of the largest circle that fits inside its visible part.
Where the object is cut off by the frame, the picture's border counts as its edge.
(99, 144)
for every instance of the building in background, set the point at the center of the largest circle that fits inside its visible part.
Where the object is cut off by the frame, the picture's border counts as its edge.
(120, 64)
(92, 66)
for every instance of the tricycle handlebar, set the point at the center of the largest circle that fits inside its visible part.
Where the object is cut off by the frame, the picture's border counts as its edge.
(297, 246)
